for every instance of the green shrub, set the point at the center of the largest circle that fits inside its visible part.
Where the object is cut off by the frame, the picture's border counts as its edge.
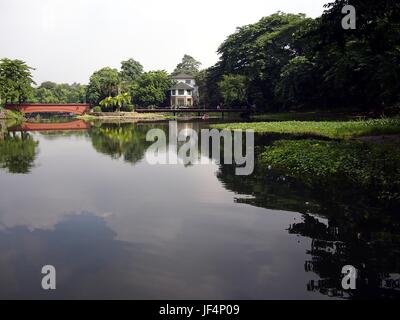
(97, 109)
(128, 108)
(367, 166)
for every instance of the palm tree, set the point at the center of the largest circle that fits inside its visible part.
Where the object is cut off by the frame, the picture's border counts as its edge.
(122, 99)
(107, 102)
(119, 101)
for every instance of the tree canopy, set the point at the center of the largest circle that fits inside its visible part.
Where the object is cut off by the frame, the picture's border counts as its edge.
(130, 70)
(188, 65)
(151, 88)
(102, 84)
(233, 89)
(15, 81)
(51, 92)
(291, 61)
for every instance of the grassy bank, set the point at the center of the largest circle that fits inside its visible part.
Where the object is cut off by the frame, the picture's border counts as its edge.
(123, 115)
(151, 116)
(371, 167)
(309, 116)
(330, 129)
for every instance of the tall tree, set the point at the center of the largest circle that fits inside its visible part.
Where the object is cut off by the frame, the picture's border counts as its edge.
(130, 70)
(233, 89)
(361, 67)
(294, 87)
(188, 65)
(259, 51)
(15, 81)
(151, 88)
(103, 83)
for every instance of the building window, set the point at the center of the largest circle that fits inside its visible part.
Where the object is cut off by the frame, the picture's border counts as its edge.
(189, 92)
(172, 92)
(181, 92)
(188, 81)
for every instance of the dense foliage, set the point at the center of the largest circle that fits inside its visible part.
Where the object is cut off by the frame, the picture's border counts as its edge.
(151, 88)
(370, 166)
(233, 89)
(121, 101)
(102, 84)
(108, 86)
(189, 65)
(15, 81)
(292, 62)
(51, 92)
(130, 70)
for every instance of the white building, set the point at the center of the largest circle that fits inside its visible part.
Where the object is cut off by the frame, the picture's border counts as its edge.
(184, 93)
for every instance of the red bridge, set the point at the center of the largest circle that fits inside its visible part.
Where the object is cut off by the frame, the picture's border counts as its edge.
(76, 108)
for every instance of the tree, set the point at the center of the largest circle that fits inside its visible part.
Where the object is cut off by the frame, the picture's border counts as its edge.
(189, 65)
(130, 70)
(51, 92)
(297, 62)
(151, 88)
(233, 89)
(202, 84)
(122, 100)
(259, 51)
(15, 81)
(103, 83)
(118, 101)
(294, 86)
(361, 67)
(107, 102)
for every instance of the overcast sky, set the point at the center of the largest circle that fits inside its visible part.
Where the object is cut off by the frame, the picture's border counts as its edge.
(66, 40)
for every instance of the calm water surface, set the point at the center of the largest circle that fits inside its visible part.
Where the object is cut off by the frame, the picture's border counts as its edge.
(115, 226)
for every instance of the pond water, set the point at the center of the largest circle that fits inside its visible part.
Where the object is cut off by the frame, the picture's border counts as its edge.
(115, 226)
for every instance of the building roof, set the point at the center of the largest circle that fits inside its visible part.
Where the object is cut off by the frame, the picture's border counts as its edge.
(181, 86)
(182, 76)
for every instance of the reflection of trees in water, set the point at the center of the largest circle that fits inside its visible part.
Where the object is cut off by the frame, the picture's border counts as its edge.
(128, 140)
(125, 140)
(18, 151)
(358, 232)
(373, 247)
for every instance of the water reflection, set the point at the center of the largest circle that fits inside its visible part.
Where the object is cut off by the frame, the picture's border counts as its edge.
(118, 140)
(117, 227)
(80, 260)
(18, 151)
(345, 226)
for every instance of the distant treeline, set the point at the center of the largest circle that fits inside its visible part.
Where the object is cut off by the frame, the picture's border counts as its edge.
(289, 61)
(109, 89)
(50, 92)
